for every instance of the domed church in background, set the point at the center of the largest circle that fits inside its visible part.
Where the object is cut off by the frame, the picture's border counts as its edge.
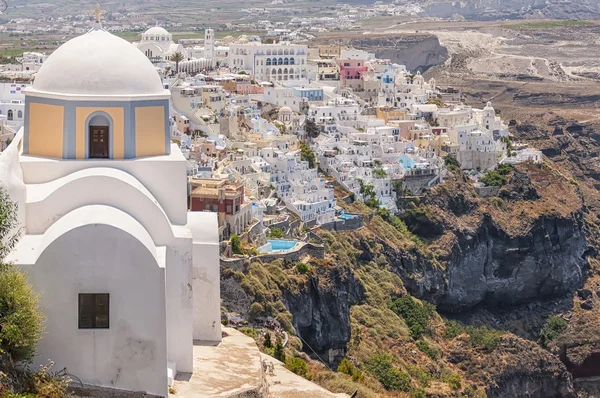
(157, 44)
(128, 278)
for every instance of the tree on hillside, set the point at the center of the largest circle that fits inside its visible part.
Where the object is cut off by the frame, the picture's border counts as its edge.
(177, 58)
(21, 322)
(311, 128)
(306, 154)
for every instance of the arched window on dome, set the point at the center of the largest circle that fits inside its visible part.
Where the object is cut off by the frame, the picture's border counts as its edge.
(99, 129)
(10, 114)
(20, 115)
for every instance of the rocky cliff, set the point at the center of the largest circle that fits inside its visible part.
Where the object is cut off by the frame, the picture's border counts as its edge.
(418, 52)
(502, 251)
(321, 311)
(455, 250)
(488, 266)
(319, 303)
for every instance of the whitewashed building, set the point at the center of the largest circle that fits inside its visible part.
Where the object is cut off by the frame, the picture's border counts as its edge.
(157, 44)
(127, 278)
(270, 62)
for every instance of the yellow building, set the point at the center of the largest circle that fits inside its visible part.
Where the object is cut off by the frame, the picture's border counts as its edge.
(328, 51)
(389, 114)
(80, 106)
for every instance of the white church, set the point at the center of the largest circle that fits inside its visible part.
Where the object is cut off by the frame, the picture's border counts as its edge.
(128, 278)
(158, 45)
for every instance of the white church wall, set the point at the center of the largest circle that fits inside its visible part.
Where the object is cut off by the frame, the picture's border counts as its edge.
(97, 249)
(180, 311)
(163, 176)
(206, 275)
(97, 186)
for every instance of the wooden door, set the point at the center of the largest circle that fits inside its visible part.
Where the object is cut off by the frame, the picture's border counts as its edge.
(98, 142)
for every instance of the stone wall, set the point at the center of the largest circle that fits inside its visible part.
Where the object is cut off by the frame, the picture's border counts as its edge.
(486, 192)
(293, 256)
(344, 224)
(282, 225)
(417, 183)
(295, 224)
(256, 234)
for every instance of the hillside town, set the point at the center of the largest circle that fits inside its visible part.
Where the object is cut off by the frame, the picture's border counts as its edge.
(269, 126)
(274, 207)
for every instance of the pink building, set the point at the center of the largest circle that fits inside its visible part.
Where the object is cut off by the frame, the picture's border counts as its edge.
(352, 69)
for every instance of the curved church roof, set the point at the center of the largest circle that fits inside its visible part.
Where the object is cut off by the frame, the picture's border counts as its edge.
(98, 63)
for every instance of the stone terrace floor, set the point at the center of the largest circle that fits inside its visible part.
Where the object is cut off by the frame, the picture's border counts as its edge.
(233, 369)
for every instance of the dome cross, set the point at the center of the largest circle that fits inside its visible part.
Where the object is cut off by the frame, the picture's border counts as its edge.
(98, 13)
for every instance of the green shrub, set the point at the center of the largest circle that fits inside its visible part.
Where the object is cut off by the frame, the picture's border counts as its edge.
(285, 320)
(21, 320)
(236, 244)
(267, 342)
(415, 315)
(379, 173)
(297, 366)
(302, 268)
(346, 367)
(481, 337)
(428, 350)
(418, 394)
(553, 328)
(504, 169)
(250, 332)
(307, 154)
(275, 233)
(484, 337)
(380, 366)
(493, 179)
(452, 163)
(453, 329)
(454, 381)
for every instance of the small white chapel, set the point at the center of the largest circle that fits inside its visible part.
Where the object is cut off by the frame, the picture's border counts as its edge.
(128, 278)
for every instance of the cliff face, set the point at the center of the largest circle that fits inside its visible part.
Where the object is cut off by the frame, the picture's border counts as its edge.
(456, 250)
(488, 266)
(322, 311)
(418, 52)
(518, 368)
(319, 303)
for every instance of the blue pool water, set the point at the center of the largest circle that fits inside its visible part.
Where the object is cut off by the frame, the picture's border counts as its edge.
(282, 244)
(346, 216)
(278, 246)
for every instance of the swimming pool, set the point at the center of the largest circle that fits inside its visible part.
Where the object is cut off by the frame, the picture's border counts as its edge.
(276, 245)
(346, 216)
